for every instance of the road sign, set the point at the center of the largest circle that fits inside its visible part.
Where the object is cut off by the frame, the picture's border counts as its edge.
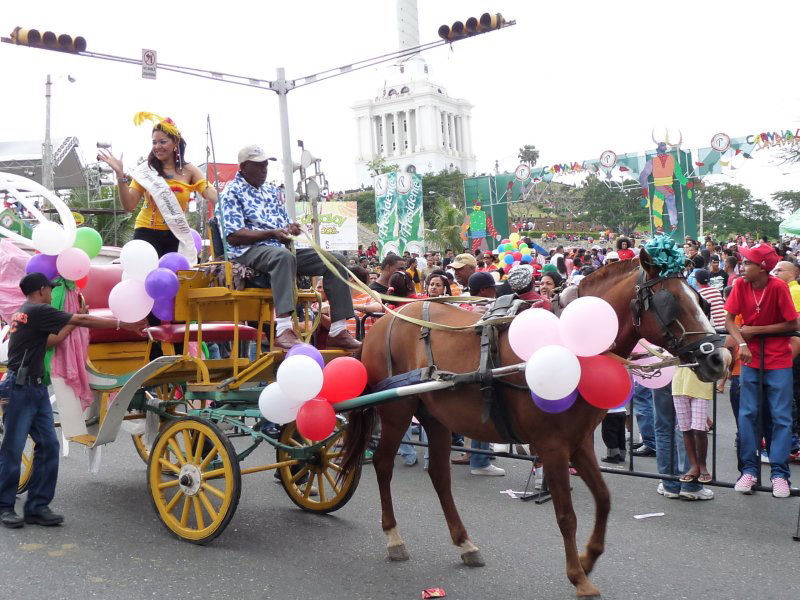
(149, 64)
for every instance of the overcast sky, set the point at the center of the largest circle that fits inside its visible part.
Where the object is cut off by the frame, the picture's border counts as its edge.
(574, 78)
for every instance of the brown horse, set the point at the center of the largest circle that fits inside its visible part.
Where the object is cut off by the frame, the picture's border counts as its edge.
(673, 320)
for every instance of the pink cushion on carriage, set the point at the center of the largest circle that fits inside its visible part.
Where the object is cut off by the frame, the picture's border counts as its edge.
(212, 332)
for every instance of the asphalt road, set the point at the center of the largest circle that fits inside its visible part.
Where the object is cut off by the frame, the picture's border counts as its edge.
(113, 546)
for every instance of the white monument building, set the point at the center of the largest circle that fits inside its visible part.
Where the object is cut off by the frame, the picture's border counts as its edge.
(413, 122)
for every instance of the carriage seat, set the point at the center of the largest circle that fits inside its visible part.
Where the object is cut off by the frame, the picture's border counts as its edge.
(212, 332)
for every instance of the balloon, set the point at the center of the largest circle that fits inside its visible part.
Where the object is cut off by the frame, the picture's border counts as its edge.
(554, 407)
(316, 419)
(81, 283)
(129, 301)
(307, 350)
(508, 259)
(43, 263)
(161, 283)
(4, 343)
(517, 255)
(525, 251)
(604, 382)
(523, 246)
(505, 241)
(174, 261)
(514, 238)
(164, 308)
(49, 238)
(198, 241)
(275, 406)
(138, 258)
(345, 378)
(588, 325)
(501, 248)
(73, 263)
(300, 378)
(553, 372)
(531, 329)
(655, 381)
(88, 240)
(526, 259)
(627, 398)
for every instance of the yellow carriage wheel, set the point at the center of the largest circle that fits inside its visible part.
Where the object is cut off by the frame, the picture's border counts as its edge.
(322, 471)
(26, 465)
(194, 479)
(164, 393)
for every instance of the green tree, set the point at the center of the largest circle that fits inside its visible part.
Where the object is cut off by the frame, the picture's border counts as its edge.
(613, 208)
(445, 184)
(365, 202)
(379, 166)
(528, 154)
(731, 210)
(788, 202)
(448, 218)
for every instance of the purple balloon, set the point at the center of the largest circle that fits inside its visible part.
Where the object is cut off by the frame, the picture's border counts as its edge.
(164, 309)
(161, 283)
(555, 406)
(174, 261)
(198, 241)
(43, 263)
(307, 350)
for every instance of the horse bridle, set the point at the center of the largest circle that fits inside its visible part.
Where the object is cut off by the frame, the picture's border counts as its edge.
(664, 307)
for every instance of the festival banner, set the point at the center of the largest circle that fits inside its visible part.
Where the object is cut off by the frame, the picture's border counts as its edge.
(386, 213)
(338, 228)
(411, 232)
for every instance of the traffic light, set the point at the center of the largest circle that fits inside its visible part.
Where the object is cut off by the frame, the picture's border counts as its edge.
(48, 40)
(472, 26)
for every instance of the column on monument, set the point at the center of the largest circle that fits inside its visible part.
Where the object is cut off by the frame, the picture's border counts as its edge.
(398, 132)
(387, 135)
(436, 120)
(446, 132)
(418, 143)
(459, 140)
(377, 131)
(468, 135)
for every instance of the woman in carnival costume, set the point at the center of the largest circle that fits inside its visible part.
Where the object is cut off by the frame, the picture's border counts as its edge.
(166, 181)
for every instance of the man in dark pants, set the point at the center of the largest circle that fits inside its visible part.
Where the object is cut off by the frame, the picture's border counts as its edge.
(257, 227)
(26, 403)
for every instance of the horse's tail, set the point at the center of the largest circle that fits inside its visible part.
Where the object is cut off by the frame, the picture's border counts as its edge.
(360, 424)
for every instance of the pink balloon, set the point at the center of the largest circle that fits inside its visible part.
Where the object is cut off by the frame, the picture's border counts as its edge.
(129, 301)
(531, 330)
(588, 326)
(73, 264)
(660, 380)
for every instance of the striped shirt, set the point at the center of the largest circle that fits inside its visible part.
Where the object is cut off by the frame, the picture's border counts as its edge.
(714, 298)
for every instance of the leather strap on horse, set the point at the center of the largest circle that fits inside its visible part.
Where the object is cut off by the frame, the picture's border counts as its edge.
(494, 404)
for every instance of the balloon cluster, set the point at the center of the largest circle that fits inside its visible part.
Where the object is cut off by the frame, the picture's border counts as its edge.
(306, 389)
(563, 355)
(513, 252)
(148, 283)
(57, 258)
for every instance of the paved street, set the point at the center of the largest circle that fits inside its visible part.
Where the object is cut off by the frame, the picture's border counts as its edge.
(113, 546)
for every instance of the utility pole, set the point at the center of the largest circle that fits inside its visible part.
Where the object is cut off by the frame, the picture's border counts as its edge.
(47, 147)
(282, 87)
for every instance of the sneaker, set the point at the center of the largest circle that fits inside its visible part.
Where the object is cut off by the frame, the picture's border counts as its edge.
(780, 488)
(614, 460)
(672, 495)
(410, 460)
(368, 456)
(701, 494)
(745, 484)
(44, 517)
(489, 470)
(644, 450)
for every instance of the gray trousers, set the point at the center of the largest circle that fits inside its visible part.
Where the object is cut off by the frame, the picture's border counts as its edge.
(283, 268)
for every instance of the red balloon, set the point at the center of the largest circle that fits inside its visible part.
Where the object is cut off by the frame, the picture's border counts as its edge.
(316, 419)
(344, 378)
(604, 382)
(81, 283)
(517, 255)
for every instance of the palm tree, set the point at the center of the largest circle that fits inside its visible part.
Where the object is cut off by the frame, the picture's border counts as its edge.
(448, 219)
(529, 155)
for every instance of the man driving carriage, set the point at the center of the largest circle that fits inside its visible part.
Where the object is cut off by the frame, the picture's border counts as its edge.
(257, 228)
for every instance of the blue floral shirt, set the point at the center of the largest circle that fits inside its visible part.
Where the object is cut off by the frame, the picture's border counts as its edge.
(243, 206)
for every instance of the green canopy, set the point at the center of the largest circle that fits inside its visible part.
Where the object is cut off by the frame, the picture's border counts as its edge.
(790, 226)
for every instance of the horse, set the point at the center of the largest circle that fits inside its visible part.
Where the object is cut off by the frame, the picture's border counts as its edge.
(663, 309)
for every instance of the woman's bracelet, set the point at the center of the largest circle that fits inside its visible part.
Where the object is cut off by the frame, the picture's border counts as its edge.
(124, 179)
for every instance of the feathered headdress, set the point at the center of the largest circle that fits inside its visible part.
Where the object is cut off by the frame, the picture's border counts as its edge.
(167, 125)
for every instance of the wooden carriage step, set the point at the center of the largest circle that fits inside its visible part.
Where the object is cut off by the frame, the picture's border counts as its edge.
(85, 439)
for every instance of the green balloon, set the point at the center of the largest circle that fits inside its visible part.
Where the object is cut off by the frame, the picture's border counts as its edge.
(88, 240)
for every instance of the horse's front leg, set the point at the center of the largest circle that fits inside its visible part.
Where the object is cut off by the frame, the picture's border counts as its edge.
(395, 419)
(439, 440)
(585, 462)
(556, 469)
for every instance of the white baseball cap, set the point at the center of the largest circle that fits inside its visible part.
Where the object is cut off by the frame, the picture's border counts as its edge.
(253, 153)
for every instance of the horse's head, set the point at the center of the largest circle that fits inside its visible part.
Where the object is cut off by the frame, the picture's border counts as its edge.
(667, 311)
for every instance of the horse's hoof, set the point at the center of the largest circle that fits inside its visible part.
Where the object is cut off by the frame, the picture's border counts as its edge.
(473, 559)
(398, 552)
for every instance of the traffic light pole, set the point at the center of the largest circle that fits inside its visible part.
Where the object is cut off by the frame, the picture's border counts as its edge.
(47, 147)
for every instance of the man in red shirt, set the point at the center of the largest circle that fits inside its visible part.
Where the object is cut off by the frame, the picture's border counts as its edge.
(766, 307)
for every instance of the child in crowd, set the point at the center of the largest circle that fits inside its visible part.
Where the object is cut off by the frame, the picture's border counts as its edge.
(613, 432)
(691, 397)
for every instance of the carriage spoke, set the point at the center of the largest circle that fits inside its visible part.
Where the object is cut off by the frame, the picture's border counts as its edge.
(198, 513)
(213, 474)
(187, 444)
(332, 481)
(209, 457)
(210, 488)
(307, 489)
(174, 500)
(176, 451)
(209, 507)
(165, 463)
(321, 485)
(299, 474)
(335, 467)
(199, 447)
(185, 512)
(295, 443)
(168, 484)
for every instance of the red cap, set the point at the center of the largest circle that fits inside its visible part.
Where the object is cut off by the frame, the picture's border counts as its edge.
(761, 254)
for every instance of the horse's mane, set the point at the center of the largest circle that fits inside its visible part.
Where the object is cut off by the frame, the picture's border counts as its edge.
(608, 271)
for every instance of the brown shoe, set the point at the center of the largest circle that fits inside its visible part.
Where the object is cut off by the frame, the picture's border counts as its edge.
(287, 340)
(344, 341)
(461, 460)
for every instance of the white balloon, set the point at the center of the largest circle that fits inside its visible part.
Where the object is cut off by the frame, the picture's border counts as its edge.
(300, 378)
(553, 372)
(4, 344)
(138, 258)
(275, 406)
(49, 238)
